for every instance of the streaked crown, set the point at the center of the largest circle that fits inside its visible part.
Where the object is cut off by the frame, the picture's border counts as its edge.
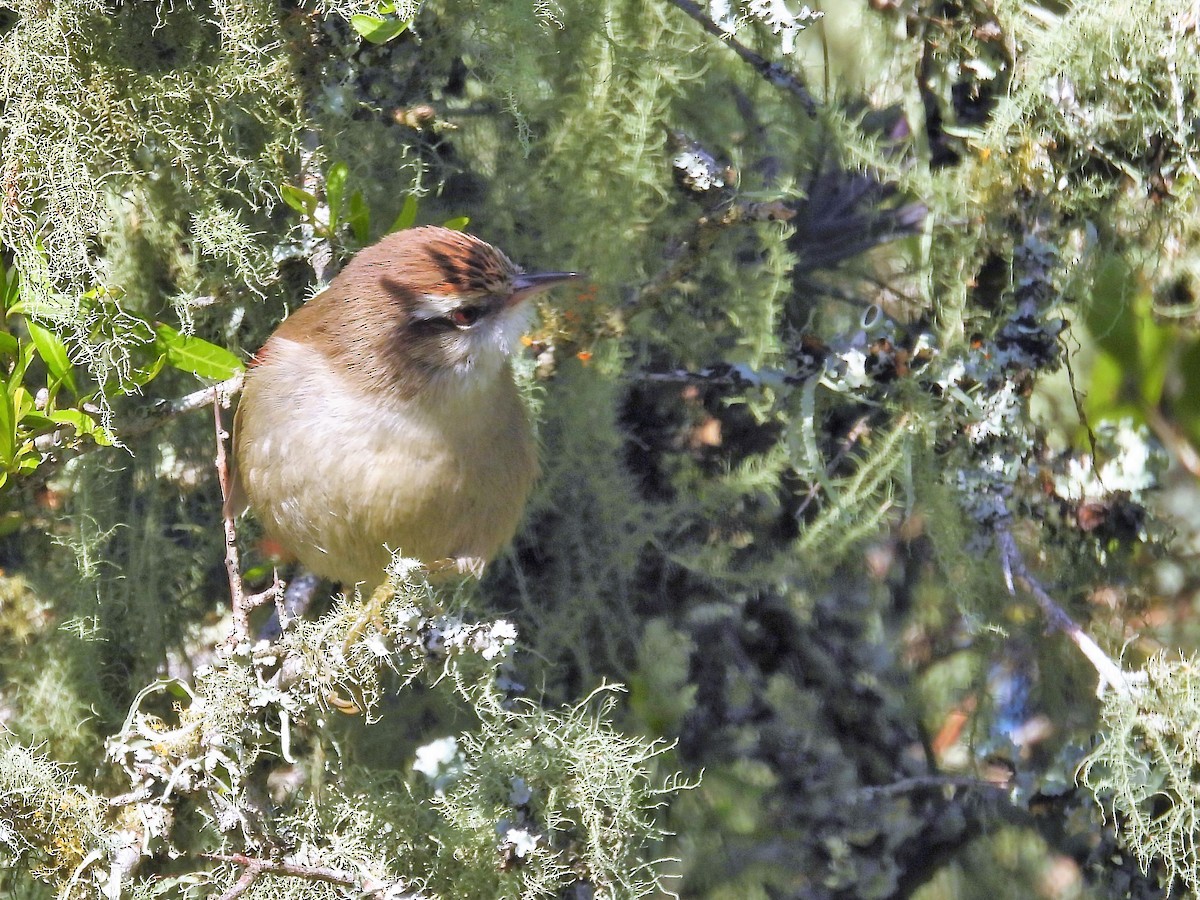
(423, 306)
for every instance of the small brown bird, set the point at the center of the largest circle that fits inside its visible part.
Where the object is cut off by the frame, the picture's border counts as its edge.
(382, 415)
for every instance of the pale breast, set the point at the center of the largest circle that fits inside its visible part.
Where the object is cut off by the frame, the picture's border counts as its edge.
(341, 478)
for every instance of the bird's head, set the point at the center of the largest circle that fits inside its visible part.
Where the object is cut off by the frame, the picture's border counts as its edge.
(457, 303)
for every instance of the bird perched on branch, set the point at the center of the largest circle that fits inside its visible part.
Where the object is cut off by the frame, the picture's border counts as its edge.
(382, 414)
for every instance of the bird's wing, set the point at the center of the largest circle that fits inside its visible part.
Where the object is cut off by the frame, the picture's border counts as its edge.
(237, 502)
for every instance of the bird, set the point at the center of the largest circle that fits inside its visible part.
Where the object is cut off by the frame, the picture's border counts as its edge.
(382, 415)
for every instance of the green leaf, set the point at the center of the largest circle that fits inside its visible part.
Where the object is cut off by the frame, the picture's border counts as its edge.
(1109, 313)
(53, 353)
(302, 201)
(143, 374)
(27, 460)
(35, 423)
(12, 289)
(458, 223)
(196, 355)
(8, 344)
(83, 424)
(408, 215)
(17, 375)
(359, 217)
(8, 430)
(23, 403)
(377, 30)
(335, 190)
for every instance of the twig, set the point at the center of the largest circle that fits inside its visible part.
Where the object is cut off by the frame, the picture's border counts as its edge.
(724, 375)
(222, 391)
(256, 866)
(1015, 570)
(1172, 437)
(923, 783)
(239, 887)
(773, 72)
(162, 410)
(243, 603)
(857, 431)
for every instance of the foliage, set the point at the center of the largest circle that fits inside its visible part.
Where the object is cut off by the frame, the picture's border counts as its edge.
(216, 108)
(46, 820)
(1145, 763)
(832, 355)
(580, 795)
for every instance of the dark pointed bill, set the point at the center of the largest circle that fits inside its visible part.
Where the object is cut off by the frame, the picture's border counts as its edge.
(529, 283)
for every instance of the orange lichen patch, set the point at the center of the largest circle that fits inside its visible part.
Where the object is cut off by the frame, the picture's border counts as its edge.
(587, 294)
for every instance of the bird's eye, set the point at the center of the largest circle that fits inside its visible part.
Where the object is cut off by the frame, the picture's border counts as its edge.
(465, 316)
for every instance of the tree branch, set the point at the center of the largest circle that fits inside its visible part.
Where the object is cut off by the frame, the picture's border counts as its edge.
(917, 783)
(1015, 570)
(773, 72)
(256, 866)
(243, 603)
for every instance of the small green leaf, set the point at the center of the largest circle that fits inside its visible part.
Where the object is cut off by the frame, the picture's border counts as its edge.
(302, 201)
(27, 460)
(144, 374)
(196, 355)
(359, 217)
(8, 344)
(335, 190)
(23, 403)
(11, 520)
(35, 423)
(408, 215)
(53, 353)
(8, 430)
(83, 424)
(377, 30)
(12, 289)
(24, 357)
(458, 223)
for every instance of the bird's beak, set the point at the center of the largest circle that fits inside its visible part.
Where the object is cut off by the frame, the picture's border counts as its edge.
(527, 284)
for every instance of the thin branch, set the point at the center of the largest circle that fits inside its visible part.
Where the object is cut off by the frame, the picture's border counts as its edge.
(739, 376)
(243, 603)
(857, 431)
(163, 410)
(1015, 571)
(1172, 437)
(223, 392)
(924, 783)
(242, 885)
(256, 866)
(773, 72)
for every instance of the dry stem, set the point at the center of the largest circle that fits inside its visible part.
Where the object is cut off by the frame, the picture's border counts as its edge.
(773, 72)
(1015, 570)
(256, 866)
(243, 603)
